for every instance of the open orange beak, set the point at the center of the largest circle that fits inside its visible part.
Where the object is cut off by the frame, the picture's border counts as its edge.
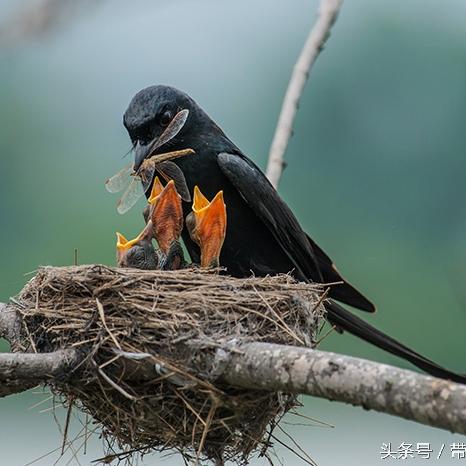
(123, 245)
(156, 190)
(208, 226)
(166, 214)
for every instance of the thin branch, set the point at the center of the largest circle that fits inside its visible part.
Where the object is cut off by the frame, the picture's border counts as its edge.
(327, 14)
(115, 385)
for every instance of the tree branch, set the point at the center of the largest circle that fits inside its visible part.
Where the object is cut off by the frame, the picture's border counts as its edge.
(327, 14)
(403, 393)
(21, 371)
(10, 323)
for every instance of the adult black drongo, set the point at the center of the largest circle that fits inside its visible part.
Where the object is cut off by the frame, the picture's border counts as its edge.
(263, 236)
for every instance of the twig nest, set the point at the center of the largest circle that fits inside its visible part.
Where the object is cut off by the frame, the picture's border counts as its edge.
(177, 324)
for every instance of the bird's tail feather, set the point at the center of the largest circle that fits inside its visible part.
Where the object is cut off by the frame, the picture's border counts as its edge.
(342, 318)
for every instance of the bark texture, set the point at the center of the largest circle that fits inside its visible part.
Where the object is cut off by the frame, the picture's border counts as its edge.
(21, 371)
(424, 399)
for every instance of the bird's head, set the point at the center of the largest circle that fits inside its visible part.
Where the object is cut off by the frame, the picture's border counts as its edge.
(128, 251)
(157, 120)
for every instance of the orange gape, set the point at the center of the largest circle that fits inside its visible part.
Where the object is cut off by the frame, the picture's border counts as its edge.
(166, 214)
(207, 226)
(143, 241)
(123, 246)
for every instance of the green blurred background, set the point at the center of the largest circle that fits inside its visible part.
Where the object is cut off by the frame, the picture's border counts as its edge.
(376, 170)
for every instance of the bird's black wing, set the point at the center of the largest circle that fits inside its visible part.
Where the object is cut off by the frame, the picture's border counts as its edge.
(308, 258)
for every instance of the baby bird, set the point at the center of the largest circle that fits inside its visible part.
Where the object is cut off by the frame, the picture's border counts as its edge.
(139, 252)
(207, 226)
(166, 217)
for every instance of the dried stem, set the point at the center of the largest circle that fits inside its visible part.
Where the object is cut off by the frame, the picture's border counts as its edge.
(328, 11)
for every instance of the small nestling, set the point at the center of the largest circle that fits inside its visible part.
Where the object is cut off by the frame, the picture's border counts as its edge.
(137, 253)
(166, 217)
(207, 226)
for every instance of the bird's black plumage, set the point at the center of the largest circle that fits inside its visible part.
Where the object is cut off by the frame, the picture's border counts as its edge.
(263, 235)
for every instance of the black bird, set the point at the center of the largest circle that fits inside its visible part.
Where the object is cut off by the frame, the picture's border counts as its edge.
(263, 236)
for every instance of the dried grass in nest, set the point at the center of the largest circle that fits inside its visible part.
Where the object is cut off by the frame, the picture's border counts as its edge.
(180, 318)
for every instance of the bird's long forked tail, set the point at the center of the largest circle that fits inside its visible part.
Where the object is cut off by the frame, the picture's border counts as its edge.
(342, 318)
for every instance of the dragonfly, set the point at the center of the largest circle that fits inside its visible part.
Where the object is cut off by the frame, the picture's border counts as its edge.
(135, 184)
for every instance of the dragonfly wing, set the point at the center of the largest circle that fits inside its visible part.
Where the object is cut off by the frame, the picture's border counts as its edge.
(170, 171)
(172, 129)
(146, 175)
(118, 181)
(130, 196)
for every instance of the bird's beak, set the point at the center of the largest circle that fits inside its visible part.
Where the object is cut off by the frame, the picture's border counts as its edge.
(210, 220)
(140, 154)
(166, 215)
(123, 245)
(157, 188)
(200, 201)
(174, 127)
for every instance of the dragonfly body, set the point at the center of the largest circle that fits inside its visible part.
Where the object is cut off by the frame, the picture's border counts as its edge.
(136, 184)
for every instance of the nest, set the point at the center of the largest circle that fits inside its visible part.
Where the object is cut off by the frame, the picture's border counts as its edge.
(179, 320)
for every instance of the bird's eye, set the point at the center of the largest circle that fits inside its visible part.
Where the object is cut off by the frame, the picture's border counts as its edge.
(165, 118)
